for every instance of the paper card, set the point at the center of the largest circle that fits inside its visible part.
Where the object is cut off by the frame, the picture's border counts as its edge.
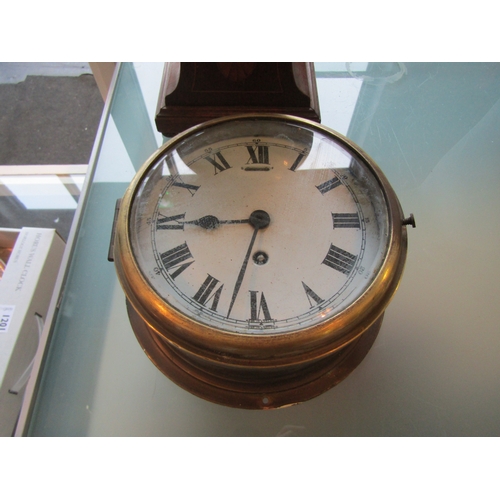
(6, 313)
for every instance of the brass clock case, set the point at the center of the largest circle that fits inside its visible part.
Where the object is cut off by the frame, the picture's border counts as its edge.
(243, 369)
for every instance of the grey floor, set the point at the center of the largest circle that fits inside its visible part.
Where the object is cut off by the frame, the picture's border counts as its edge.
(49, 115)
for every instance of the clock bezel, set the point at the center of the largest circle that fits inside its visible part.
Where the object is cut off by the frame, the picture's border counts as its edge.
(189, 336)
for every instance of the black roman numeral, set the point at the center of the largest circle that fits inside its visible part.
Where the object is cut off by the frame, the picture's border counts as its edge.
(204, 294)
(255, 311)
(175, 259)
(346, 221)
(328, 185)
(161, 222)
(339, 259)
(311, 295)
(297, 161)
(218, 167)
(258, 154)
(190, 187)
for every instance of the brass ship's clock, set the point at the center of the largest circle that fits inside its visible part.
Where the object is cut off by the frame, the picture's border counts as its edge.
(258, 254)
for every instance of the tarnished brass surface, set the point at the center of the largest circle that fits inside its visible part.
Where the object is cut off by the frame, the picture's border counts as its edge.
(253, 389)
(183, 348)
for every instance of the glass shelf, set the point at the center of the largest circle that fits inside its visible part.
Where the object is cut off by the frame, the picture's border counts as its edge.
(433, 371)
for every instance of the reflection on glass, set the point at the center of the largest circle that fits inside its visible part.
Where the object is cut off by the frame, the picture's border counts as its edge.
(40, 192)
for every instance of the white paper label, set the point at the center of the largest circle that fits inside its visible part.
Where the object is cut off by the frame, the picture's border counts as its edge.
(6, 313)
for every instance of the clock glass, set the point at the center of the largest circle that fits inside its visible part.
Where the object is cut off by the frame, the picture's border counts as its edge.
(259, 226)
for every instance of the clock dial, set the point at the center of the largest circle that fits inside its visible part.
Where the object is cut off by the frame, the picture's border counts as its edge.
(262, 228)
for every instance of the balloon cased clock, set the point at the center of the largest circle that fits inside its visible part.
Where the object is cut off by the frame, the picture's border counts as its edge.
(258, 254)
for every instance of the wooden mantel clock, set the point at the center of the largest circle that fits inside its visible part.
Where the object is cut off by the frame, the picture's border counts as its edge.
(192, 93)
(258, 253)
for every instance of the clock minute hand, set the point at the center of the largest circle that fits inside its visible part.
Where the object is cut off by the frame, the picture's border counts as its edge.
(259, 220)
(239, 280)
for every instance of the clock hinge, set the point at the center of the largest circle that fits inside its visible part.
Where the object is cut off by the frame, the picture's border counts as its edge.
(111, 257)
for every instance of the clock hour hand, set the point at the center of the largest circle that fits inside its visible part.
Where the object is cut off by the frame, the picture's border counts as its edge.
(259, 220)
(212, 222)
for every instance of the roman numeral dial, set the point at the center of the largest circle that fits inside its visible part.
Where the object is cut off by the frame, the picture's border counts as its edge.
(343, 220)
(261, 234)
(258, 154)
(327, 186)
(219, 162)
(191, 188)
(259, 310)
(340, 260)
(312, 297)
(170, 222)
(206, 293)
(258, 158)
(297, 162)
(178, 258)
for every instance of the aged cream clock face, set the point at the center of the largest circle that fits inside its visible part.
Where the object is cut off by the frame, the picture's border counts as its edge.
(259, 226)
